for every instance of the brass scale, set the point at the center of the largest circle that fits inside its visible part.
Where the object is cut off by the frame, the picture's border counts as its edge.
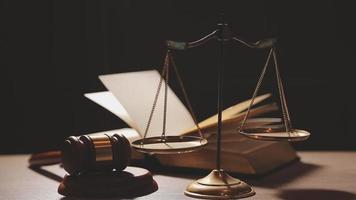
(218, 184)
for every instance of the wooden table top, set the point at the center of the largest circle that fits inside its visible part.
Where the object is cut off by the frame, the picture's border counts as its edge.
(319, 175)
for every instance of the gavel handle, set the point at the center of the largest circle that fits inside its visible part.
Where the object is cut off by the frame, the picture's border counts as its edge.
(46, 158)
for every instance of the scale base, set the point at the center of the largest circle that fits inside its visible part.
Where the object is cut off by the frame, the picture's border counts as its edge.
(219, 185)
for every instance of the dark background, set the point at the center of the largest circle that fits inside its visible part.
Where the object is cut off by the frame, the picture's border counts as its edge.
(51, 53)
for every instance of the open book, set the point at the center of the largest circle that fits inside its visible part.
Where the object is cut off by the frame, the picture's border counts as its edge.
(130, 96)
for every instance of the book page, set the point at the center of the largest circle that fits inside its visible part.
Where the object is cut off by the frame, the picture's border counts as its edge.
(233, 110)
(231, 113)
(232, 126)
(136, 92)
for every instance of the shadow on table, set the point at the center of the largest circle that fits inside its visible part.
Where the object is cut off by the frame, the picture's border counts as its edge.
(46, 173)
(297, 194)
(273, 179)
(279, 177)
(284, 175)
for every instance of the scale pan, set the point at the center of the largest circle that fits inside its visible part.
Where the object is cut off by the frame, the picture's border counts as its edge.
(272, 134)
(169, 144)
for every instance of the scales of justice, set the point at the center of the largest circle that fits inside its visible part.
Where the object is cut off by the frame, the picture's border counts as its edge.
(218, 184)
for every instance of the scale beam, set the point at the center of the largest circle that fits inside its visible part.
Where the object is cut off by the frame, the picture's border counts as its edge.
(222, 33)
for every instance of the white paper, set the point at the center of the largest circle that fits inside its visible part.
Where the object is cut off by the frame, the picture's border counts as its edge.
(135, 91)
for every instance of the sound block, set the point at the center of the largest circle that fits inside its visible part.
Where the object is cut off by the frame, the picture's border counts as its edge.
(132, 182)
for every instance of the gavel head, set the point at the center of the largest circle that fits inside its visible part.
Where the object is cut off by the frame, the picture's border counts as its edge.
(95, 153)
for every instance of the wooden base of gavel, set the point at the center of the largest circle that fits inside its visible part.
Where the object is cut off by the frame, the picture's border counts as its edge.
(97, 167)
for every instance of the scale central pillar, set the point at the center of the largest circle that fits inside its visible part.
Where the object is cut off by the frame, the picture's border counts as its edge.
(218, 184)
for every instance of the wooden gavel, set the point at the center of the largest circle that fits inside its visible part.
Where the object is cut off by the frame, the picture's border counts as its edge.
(88, 153)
